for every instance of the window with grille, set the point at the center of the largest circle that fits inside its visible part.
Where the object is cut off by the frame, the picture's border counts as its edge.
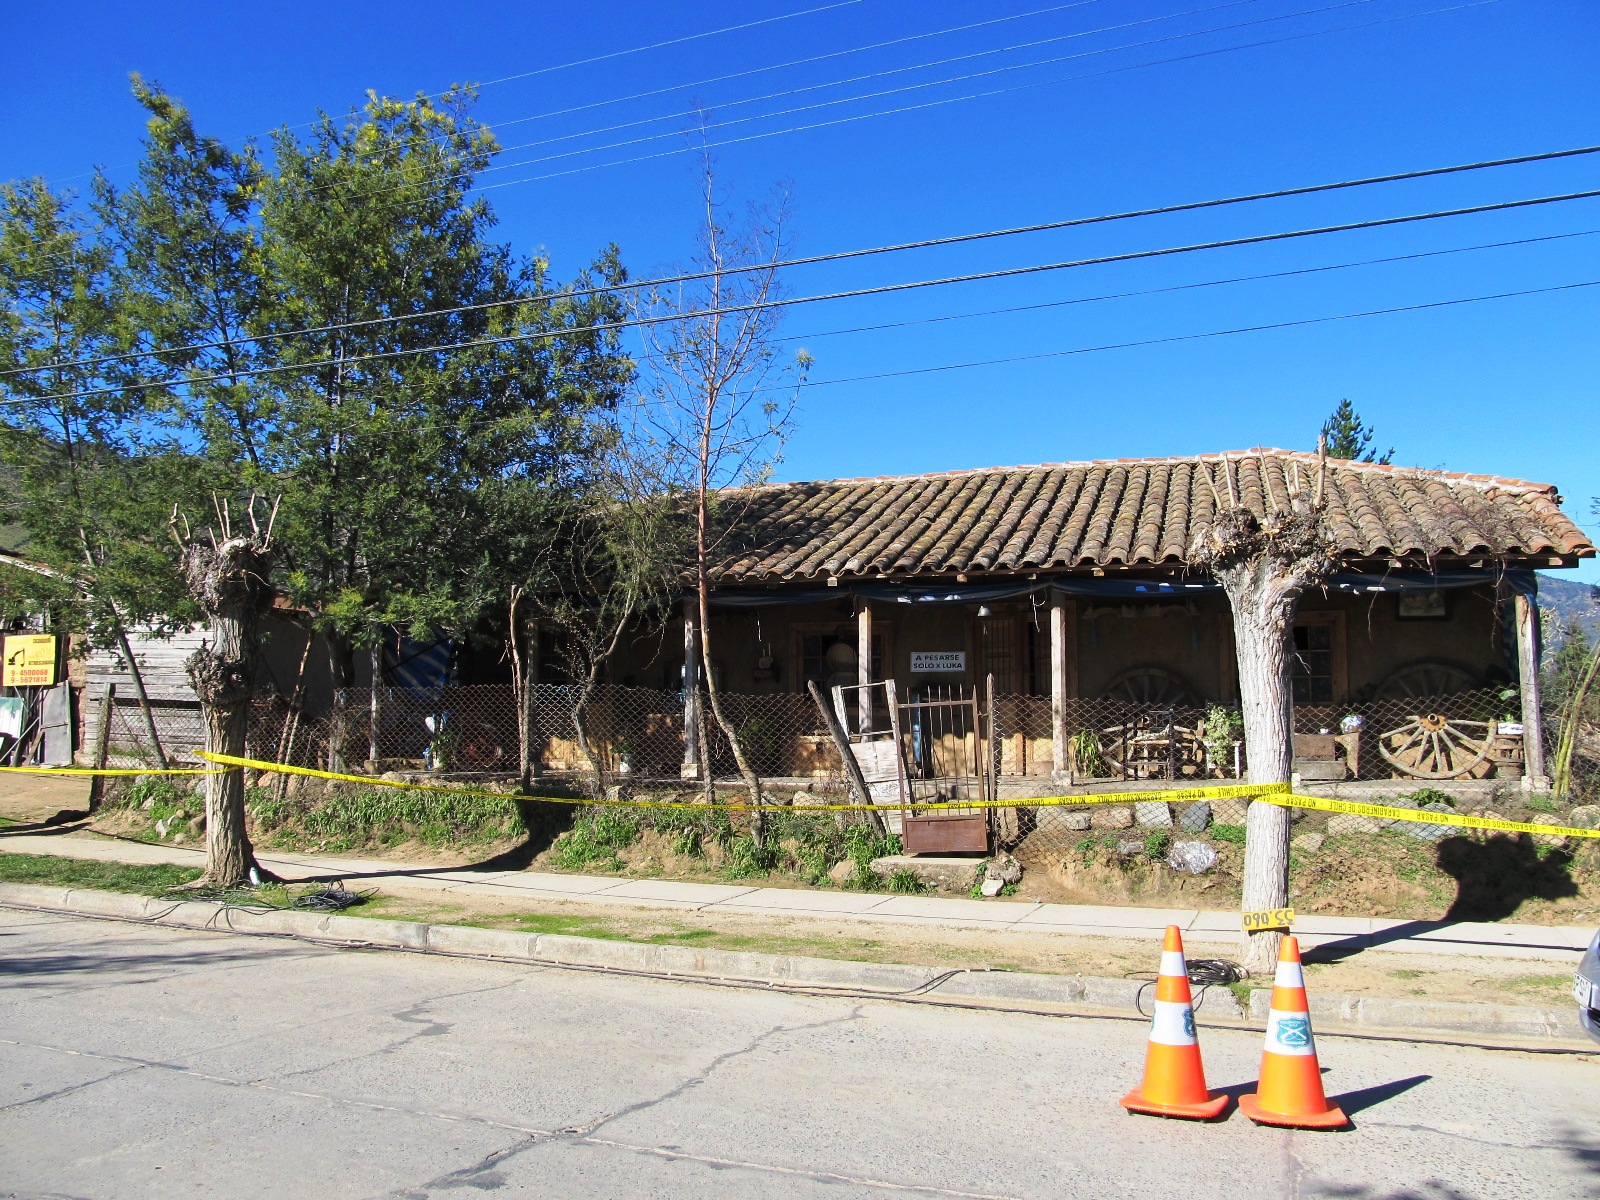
(1313, 664)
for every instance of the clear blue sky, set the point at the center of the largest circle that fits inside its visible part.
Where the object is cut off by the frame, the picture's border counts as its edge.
(1507, 386)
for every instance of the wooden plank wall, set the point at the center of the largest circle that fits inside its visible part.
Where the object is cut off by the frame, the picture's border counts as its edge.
(176, 708)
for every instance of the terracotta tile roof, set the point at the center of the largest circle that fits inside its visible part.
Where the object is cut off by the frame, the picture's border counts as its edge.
(1122, 512)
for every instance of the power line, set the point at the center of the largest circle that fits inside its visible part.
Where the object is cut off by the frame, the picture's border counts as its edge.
(797, 62)
(851, 294)
(1190, 337)
(353, 188)
(677, 41)
(921, 66)
(941, 102)
(583, 62)
(507, 421)
(465, 174)
(1184, 287)
(1046, 62)
(982, 95)
(1108, 296)
(841, 255)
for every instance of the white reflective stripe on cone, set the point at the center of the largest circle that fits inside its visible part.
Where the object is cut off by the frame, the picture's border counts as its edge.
(1289, 975)
(1173, 1024)
(1172, 963)
(1289, 1033)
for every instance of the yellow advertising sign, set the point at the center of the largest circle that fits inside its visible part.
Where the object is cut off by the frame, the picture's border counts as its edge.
(30, 660)
(1268, 918)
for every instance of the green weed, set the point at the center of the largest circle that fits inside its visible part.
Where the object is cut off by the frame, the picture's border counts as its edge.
(595, 839)
(905, 882)
(143, 880)
(1227, 833)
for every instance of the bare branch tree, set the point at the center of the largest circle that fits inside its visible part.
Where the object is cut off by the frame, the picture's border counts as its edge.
(616, 562)
(718, 403)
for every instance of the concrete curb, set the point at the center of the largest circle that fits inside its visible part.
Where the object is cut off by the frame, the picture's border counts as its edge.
(1217, 1005)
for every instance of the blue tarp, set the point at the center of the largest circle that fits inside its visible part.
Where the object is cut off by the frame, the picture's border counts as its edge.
(936, 592)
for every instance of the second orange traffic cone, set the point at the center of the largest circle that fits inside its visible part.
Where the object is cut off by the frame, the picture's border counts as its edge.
(1290, 1092)
(1174, 1079)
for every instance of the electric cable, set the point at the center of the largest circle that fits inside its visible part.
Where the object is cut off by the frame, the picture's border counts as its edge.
(982, 95)
(934, 103)
(925, 65)
(866, 252)
(1192, 337)
(915, 86)
(797, 62)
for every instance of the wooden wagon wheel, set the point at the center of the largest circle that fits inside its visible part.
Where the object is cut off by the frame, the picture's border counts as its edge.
(1153, 686)
(1434, 746)
(1425, 679)
(1146, 746)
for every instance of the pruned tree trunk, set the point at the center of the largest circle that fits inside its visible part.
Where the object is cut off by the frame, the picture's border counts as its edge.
(1264, 565)
(229, 580)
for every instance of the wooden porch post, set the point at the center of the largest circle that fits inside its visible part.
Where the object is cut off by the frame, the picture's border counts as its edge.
(1058, 685)
(691, 690)
(1528, 653)
(864, 664)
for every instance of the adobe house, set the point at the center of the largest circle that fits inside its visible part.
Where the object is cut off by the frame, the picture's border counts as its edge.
(1070, 582)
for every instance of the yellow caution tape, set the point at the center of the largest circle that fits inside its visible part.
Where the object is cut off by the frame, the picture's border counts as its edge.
(1219, 792)
(114, 771)
(1422, 816)
(1272, 793)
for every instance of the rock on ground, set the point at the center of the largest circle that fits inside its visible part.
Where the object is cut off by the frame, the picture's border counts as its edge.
(1153, 812)
(1112, 816)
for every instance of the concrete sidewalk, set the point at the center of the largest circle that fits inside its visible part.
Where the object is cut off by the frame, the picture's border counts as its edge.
(1201, 927)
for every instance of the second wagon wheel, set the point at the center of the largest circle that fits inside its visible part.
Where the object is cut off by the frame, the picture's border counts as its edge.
(1424, 679)
(1147, 743)
(1153, 686)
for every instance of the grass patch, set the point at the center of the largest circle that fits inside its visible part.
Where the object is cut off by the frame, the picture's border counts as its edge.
(348, 819)
(1227, 833)
(140, 879)
(1549, 986)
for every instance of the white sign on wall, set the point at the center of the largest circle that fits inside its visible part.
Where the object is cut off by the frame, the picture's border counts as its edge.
(938, 662)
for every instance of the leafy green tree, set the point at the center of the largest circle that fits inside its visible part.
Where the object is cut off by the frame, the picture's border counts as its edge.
(92, 464)
(333, 326)
(380, 443)
(1349, 438)
(307, 301)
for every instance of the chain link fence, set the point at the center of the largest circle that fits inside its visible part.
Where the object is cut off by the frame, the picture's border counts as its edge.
(636, 736)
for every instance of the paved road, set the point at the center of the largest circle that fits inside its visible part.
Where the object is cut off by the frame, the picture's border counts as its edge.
(147, 1062)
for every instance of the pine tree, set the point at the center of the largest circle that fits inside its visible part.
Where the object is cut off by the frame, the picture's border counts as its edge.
(1350, 438)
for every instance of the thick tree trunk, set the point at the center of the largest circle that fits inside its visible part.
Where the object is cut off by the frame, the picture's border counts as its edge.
(1263, 620)
(228, 579)
(1264, 564)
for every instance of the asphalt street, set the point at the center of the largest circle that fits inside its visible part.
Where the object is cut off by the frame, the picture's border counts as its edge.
(137, 1062)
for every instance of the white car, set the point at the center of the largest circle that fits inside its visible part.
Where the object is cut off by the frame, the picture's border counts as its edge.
(1586, 989)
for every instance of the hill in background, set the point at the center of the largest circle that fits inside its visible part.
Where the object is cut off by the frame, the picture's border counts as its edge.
(1575, 603)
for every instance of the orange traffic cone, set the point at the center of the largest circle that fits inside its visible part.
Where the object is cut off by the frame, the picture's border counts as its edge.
(1174, 1079)
(1290, 1091)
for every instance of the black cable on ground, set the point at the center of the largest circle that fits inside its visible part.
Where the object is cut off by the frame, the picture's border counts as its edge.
(917, 995)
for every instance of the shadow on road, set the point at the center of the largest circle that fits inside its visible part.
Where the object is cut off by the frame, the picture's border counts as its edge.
(1364, 1098)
